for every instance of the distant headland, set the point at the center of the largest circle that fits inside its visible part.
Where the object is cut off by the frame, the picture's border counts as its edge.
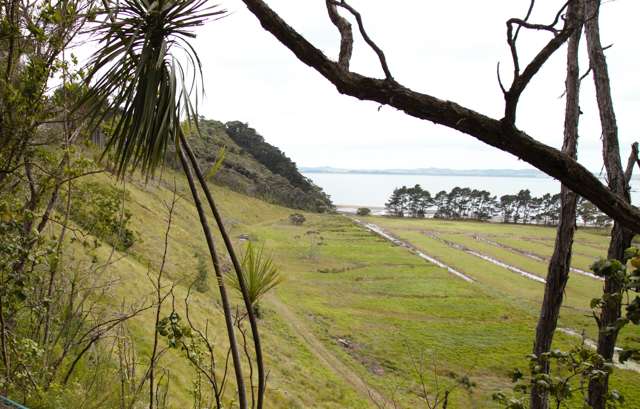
(524, 173)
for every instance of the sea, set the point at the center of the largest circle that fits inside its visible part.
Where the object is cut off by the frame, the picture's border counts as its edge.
(353, 190)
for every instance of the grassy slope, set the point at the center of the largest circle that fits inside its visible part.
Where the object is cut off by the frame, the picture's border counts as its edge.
(345, 283)
(296, 378)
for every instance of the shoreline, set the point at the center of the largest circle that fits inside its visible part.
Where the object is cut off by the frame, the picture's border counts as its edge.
(353, 209)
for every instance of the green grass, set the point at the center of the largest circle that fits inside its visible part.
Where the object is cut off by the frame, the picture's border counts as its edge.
(346, 283)
(296, 378)
(580, 289)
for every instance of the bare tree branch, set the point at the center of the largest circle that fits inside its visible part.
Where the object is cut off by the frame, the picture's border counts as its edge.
(494, 132)
(365, 36)
(521, 80)
(160, 298)
(633, 159)
(99, 331)
(532, 4)
(346, 34)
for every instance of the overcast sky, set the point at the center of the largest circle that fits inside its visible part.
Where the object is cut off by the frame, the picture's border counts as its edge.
(448, 49)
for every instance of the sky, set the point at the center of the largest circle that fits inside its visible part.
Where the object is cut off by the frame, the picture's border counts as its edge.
(448, 49)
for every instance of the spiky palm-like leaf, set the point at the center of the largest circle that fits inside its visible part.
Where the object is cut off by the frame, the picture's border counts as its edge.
(136, 79)
(259, 272)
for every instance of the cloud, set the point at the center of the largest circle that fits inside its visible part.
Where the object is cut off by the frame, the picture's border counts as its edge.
(447, 49)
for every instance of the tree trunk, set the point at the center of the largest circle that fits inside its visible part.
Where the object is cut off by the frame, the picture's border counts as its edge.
(233, 344)
(253, 322)
(560, 263)
(620, 237)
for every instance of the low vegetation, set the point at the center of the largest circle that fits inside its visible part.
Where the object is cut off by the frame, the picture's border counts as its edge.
(260, 273)
(99, 210)
(363, 211)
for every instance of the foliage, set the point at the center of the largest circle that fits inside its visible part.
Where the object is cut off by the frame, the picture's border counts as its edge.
(99, 209)
(413, 201)
(624, 286)
(464, 203)
(173, 329)
(33, 37)
(276, 161)
(201, 283)
(135, 76)
(259, 272)
(363, 211)
(49, 313)
(570, 375)
(297, 219)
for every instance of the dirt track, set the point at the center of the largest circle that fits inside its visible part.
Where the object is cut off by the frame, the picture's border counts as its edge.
(328, 358)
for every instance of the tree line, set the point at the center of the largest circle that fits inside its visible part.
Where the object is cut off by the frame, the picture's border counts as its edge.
(468, 203)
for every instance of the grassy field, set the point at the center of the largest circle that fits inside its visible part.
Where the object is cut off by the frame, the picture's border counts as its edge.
(357, 315)
(508, 244)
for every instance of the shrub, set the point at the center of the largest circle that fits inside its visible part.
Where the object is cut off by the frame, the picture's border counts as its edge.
(363, 211)
(98, 209)
(201, 284)
(297, 219)
(260, 275)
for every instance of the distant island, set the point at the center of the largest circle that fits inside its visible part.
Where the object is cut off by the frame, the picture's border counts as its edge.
(523, 173)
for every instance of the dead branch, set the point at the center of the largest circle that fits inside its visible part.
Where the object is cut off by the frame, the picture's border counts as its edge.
(365, 36)
(98, 332)
(160, 298)
(633, 159)
(346, 34)
(209, 373)
(521, 80)
(495, 132)
(245, 347)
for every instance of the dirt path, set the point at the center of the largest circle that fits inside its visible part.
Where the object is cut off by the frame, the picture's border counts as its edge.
(328, 358)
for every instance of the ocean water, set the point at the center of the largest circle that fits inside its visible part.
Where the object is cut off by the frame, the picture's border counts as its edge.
(367, 190)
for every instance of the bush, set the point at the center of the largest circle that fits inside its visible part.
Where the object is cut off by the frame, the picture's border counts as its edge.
(297, 219)
(260, 275)
(97, 208)
(201, 284)
(363, 211)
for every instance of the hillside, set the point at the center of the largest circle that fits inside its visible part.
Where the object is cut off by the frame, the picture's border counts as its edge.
(254, 167)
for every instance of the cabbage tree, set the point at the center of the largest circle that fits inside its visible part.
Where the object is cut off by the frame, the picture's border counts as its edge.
(143, 78)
